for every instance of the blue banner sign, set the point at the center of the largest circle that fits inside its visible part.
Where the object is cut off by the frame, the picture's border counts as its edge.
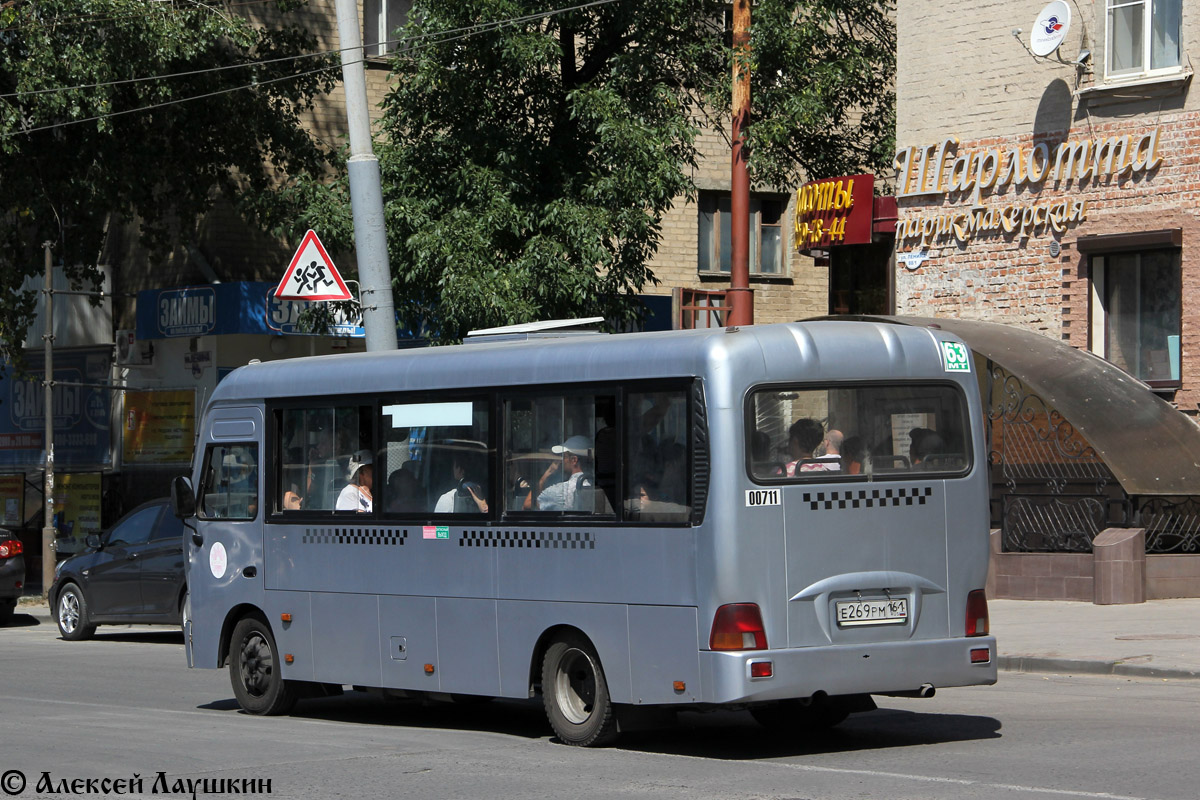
(81, 413)
(226, 308)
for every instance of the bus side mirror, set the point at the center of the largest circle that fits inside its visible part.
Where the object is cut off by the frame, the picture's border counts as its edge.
(183, 499)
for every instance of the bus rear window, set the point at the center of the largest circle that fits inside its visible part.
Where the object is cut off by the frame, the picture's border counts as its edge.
(807, 433)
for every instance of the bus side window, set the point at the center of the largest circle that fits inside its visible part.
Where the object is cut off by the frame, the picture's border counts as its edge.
(230, 485)
(560, 454)
(658, 463)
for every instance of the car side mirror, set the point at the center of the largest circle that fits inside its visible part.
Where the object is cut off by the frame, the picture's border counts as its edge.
(183, 498)
(92, 540)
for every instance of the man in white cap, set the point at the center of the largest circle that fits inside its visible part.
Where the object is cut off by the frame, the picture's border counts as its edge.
(356, 496)
(565, 495)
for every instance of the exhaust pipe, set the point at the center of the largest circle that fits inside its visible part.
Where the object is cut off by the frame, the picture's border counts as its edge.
(925, 690)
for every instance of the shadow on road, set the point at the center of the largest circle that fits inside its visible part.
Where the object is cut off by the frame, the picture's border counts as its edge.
(165, 636)
(735, 736)
(20, 620)
(726, 735)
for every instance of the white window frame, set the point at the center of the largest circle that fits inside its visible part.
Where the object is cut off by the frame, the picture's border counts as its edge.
(381, 18)
(1145, 71)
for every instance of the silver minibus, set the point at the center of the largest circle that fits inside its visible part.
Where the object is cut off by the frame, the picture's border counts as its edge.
(782, 518)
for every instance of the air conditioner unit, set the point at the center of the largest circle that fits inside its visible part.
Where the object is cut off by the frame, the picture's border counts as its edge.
(131, 352)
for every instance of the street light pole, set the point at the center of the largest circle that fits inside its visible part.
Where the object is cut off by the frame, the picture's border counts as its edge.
(366, 194)
(741, 298)
(48, 390)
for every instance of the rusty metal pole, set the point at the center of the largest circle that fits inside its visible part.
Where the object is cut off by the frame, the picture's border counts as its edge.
(740, 297)
(48, 388)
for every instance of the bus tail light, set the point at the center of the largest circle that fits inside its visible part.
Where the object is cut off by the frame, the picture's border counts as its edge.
(738, 626)
(977, 613)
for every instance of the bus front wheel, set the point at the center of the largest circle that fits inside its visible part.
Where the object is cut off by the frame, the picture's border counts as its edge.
(576, 694)
(254, 670)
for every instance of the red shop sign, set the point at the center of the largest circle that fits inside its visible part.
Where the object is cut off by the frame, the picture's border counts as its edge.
(835, 211)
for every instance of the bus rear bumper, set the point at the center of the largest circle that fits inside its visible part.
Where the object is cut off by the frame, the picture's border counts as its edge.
(883, 668)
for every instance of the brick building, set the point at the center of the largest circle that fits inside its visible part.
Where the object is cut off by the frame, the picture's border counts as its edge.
(1047, 178)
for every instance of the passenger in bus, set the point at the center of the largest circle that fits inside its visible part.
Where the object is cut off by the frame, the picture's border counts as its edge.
(356, 496)
(854, 455)
(321, 483)
(804, 436)
(466, 497)
(403, 492)
(924, 442)
(575, 491)
(674, 482)
(293, 481)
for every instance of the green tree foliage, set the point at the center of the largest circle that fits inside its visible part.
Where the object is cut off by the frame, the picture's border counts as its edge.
(527, 167)
(823, 93)
(73, 162)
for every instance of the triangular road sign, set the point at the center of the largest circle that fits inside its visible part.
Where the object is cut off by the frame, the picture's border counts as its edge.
(311, 275)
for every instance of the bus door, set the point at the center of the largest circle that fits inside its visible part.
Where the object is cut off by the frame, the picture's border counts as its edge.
(228, 521)
(862, 472)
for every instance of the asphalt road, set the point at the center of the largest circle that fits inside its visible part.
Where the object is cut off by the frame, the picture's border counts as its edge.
(125, 705)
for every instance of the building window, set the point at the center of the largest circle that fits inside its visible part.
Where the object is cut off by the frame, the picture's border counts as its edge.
(766, 233)
(1144, 36)
(1136, 313)
(382, 19)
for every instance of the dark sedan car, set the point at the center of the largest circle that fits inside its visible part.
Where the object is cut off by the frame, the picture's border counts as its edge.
(12, 573)
(132, 573)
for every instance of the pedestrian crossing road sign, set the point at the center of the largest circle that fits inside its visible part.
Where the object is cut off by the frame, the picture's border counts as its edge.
(311, 275)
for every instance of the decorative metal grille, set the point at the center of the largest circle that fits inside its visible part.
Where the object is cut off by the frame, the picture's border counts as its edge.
(1172, 524)
(1054, 492)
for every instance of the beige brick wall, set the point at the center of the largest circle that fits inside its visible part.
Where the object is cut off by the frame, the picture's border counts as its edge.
(972, 81)
(802, 290)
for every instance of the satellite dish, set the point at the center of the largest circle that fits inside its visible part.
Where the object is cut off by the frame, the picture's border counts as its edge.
(1050, 28)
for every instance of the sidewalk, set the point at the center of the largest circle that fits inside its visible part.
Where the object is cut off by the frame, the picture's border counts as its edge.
(1157, 639)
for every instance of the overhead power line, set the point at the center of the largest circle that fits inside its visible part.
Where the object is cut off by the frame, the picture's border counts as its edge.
(439, 37)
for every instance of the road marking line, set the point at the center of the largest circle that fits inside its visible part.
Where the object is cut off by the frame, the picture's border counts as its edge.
(936, 779)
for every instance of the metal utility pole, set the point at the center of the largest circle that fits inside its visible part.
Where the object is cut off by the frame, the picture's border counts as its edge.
(48, 390)
(366, 194)
(740, 297)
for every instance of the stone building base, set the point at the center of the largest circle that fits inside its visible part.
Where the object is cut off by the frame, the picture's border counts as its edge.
(1118, 571)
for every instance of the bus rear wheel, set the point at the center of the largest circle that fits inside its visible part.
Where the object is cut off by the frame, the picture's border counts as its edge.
(254, 670)
(575, 693)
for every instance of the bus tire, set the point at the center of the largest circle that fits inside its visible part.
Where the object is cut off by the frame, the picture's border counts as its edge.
(575, 693)
(801, 716)
(71, 614)
(254, 670)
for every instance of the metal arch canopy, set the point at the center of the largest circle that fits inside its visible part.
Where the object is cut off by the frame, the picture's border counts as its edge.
(1151, 448)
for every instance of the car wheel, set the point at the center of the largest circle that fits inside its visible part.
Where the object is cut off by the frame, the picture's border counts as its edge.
(71, 614)
(185, 611)
(575, 693)
(254, 670)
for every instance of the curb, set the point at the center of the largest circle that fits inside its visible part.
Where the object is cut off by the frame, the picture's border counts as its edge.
(1070, 665)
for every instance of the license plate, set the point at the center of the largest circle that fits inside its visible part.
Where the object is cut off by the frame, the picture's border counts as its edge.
(871, 612)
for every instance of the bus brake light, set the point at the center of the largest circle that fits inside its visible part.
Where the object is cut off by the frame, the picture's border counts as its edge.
(738, 626)
(977, 613)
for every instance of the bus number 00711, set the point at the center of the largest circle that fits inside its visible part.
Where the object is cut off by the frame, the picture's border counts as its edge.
(762, 497)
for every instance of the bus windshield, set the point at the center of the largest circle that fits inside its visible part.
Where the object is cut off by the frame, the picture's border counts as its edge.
(806, 433)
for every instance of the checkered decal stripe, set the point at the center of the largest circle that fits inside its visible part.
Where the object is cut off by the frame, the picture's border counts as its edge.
(867, 498)
(371, 536)
(555, 540)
